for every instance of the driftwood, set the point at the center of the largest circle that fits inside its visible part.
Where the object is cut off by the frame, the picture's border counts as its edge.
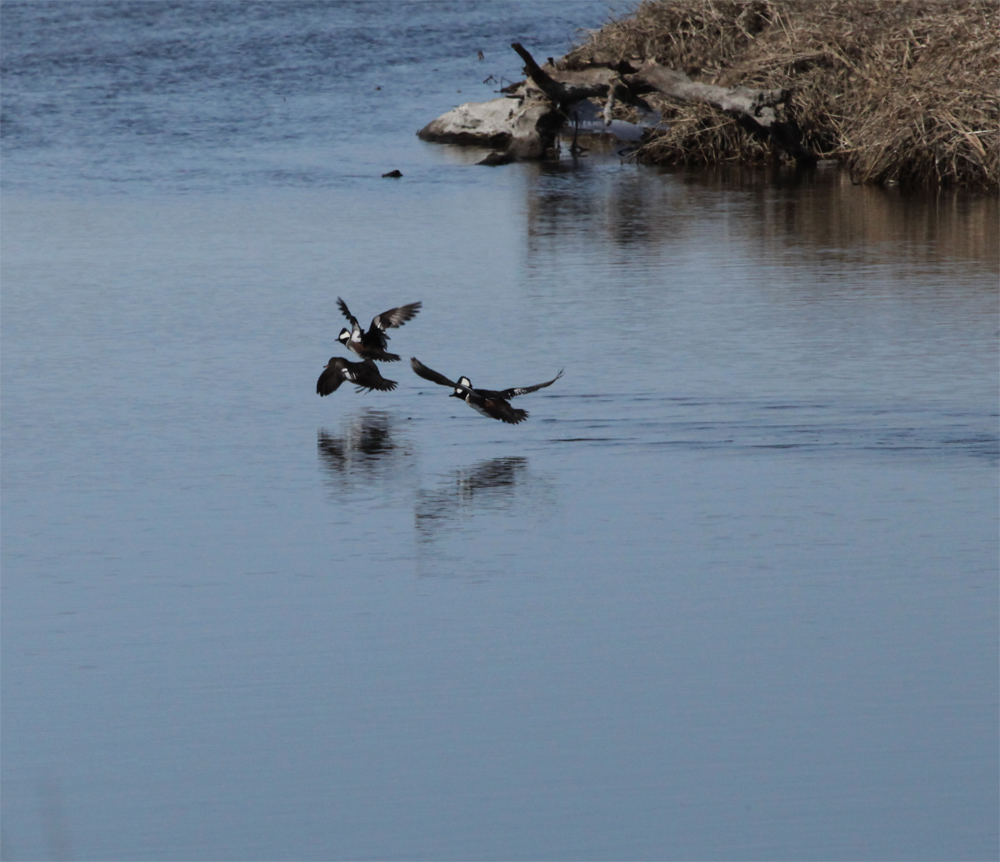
(757, 111)
(564, 95)
(759, 104)
(526, 123)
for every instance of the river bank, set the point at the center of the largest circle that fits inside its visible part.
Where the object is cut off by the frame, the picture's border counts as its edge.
(896, 92)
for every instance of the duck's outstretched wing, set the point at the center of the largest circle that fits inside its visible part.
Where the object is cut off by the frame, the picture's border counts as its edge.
(347, 312)
(331, 378)
(524, 390)
(394, 317)
(422, 370)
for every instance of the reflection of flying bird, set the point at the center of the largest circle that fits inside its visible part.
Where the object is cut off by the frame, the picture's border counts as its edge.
(489, 402)
(364, 449)
(372, 344)
(364, 375)
(487, 484)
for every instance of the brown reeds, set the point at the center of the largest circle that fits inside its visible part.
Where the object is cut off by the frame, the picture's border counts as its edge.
(900, 91)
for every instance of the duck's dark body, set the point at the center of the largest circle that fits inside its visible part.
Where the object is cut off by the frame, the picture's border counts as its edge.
(489, 402)
(372, 344)
(365, 375)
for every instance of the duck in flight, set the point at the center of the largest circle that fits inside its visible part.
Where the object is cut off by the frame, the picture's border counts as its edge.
(489, 402)
(365, 375)
(372, 344)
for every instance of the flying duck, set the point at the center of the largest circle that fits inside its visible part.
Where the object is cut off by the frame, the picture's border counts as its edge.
(372, 344)
(364, 375)
(489, 402)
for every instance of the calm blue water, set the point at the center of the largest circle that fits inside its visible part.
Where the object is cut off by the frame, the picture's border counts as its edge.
(729, 593)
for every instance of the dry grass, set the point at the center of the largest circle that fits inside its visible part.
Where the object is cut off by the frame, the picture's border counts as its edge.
(903, 91)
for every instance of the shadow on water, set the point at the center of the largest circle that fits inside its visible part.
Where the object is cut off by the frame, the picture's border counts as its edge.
(367, 450)
(487, 485)
(464, 523)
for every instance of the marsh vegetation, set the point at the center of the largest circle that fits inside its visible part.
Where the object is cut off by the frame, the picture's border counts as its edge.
(897, 92)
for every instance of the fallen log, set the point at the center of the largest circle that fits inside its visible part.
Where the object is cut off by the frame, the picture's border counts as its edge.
(759, 104)
(563, 95)
(757, 111)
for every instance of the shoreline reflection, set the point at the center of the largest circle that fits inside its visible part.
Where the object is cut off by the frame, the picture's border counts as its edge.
(818, 209)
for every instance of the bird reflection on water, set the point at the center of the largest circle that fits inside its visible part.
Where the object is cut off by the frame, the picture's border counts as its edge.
(366, 449)
(489, 484)
(466, 522)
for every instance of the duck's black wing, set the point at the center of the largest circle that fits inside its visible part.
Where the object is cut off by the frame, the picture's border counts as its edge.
(430, 374)
(500, 409)
(395, 317)
(367, 376)
(332, 377)
(373, 352)
(524, 390)
(375, 336)
(347, 313)
(364, 375)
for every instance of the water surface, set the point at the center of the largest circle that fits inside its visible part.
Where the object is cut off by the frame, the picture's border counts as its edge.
(729, 593)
